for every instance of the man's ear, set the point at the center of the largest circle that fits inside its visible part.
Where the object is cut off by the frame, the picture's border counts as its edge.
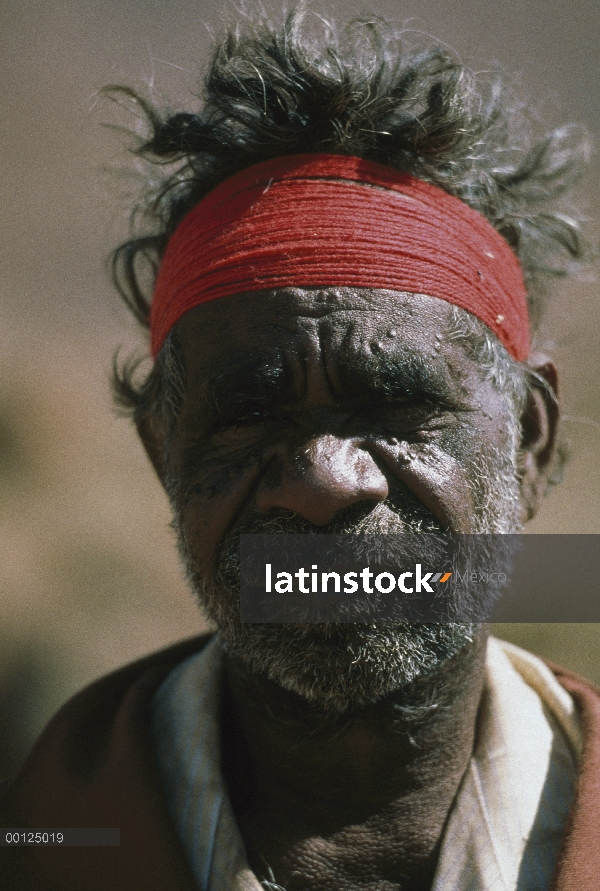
(152, 433)
(539, 429)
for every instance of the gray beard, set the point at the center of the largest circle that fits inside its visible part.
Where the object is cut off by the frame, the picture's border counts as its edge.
(341, 666)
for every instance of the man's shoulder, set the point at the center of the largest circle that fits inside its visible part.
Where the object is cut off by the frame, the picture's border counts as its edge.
(81, 727)
(159, 662)
(94, 766)
(102, 698)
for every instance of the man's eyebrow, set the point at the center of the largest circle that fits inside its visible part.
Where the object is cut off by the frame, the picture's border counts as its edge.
(406, 375)
(246, 381)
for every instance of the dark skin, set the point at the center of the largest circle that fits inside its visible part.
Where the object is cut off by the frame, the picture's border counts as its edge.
(310, 402)
(357, 802)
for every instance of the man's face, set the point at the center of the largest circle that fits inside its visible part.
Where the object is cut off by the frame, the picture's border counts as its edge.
(327, 411)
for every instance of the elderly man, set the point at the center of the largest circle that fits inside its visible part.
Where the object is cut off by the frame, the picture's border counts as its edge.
(350, 248)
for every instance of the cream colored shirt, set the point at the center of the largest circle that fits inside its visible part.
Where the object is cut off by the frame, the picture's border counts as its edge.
(506, 824)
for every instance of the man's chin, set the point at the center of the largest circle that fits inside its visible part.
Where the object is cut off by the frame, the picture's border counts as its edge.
(340, 667)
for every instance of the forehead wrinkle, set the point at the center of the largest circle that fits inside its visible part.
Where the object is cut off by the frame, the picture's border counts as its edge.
(280, 353)
(339, 338)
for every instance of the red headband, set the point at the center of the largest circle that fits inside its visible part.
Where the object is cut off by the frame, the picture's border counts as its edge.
(331, 220)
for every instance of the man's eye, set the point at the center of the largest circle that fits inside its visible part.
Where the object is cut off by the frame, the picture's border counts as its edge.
(251, 418)
(409, 416)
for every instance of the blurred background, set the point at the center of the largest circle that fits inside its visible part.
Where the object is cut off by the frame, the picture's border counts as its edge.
(88, 573)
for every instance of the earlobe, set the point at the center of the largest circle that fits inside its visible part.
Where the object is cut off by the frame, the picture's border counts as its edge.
(539, 429)
(152, 435)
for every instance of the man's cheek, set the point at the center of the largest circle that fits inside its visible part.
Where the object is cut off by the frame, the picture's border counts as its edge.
(437, 478)
(210, 509)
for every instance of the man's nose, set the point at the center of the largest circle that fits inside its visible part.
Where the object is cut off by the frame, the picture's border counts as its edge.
(321, 478)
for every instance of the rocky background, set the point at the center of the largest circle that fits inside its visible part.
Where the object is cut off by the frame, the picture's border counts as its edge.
(88, 574)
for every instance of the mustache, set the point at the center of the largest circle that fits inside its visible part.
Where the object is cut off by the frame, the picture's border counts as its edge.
(366, 522)
(399, 514)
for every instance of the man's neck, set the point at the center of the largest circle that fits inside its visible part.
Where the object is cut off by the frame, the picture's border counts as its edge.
(356, 801)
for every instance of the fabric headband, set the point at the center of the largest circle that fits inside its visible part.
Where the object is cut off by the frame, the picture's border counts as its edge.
(332, 220)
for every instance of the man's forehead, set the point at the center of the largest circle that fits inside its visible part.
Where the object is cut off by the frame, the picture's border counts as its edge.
(293, 320)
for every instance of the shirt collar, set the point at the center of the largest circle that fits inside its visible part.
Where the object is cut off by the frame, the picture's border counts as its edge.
(506, 824)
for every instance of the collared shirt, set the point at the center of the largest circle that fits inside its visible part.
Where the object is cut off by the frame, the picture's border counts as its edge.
(505, 827)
